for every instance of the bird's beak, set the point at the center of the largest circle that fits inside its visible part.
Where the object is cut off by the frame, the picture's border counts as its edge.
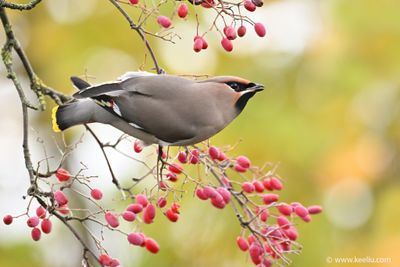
(257, 87)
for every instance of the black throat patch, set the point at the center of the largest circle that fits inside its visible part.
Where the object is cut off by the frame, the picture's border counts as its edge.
(242, 101)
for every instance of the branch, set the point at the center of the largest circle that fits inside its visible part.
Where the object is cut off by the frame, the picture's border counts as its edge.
(73, 231)
(101, 145)
(20, 7)
(41, 90)
(8, 62)
(141, 34)
(36, 84)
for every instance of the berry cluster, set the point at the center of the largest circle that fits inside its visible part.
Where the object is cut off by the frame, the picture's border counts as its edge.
(38, 223)
(268, 231)
(231, 14)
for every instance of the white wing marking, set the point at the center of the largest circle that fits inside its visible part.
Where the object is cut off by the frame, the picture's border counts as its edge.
(134, 74)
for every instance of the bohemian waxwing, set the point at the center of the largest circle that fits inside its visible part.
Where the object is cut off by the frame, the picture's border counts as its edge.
(159, 109)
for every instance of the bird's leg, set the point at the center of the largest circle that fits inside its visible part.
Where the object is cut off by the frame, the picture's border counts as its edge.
(163, 162)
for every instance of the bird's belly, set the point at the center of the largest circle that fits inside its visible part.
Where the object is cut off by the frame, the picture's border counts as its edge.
(174, 123)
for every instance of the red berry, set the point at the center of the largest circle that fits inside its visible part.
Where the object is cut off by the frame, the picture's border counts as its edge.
(266, 263)
(182, 157)
(163, 185)
(249, 5)
(96, 194)
(267, 184)
(214, 152)
(111, 219)
(243, 161)
(314, 209)
(227, 44)
(63, 209)
(283, 222)
(222, 156)
(260, 29)
(149, 214)
(161, 202)
(205, 44)
(115, 263)
(62, 175)
(241, 31)
(264, 215)
(60, 198)
(164, 21)
(270, 198)
(198, 45)
(171, 215)
(8, 219)
(295, 204)
(33, 221)
(259, 187)
(200, 194)
(194, 157)
(306, 218)
(41, 212)
(134, 2)
(182, 10)
(209, 192)
(276, 184)
(285, 209)
(300, 211)
(226, 182)
(251, 239)
(137, 146)
(142, 200)
(105, 259)
(226, 195)
(36, 234)
(242, 243)
(136, 239)
(207, 3)
(175, 207)
(248, 187)
(239, 168)
(151, 245)
(46, 226)
(218, 201)
(256, 252)
(230, 32)
(172, 177)
(135, 208)
(291, 233)
(129, 216)
(175, 168)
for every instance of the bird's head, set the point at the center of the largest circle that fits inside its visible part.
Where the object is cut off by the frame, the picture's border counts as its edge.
(243, 89)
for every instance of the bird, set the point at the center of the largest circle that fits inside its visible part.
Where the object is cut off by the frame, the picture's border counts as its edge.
(167, 110)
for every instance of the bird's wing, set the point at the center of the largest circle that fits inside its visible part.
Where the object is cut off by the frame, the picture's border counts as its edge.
(109, 88)
(79, 83)
(113, 88)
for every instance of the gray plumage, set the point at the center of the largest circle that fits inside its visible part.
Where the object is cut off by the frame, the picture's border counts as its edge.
(162, 109)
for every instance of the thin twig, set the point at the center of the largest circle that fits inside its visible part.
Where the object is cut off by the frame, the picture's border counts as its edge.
(141, 34)
(101, 145)
(20, 7)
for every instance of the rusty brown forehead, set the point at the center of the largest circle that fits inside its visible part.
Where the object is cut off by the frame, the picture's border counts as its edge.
(225, 79)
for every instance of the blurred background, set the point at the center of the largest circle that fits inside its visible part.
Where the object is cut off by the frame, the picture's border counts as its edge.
(329, 118)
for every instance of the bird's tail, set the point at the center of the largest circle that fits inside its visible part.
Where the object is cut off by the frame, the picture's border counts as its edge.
(70, 114)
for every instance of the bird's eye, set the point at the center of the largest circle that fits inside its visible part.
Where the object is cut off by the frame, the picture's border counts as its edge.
(233, 85)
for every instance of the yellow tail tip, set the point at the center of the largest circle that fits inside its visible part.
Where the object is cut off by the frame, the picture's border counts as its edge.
(54, 120)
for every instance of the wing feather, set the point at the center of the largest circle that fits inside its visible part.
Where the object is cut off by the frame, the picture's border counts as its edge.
(109, 88)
